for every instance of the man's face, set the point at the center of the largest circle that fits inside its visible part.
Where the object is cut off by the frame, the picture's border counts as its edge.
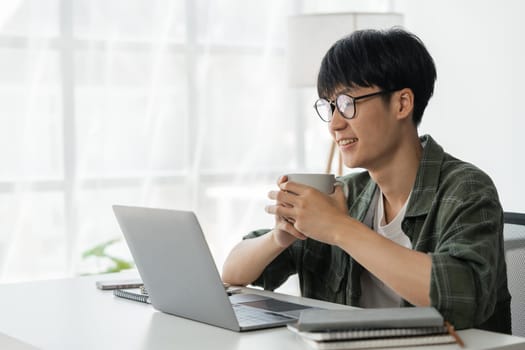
(369, 139)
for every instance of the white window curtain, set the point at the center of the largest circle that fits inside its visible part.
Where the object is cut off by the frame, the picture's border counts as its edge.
(163, 103)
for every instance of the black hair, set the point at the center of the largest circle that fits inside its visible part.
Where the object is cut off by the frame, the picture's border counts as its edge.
(390, 59)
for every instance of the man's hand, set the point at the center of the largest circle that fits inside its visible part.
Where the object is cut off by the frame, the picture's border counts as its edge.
(284, 233)
(308, 212)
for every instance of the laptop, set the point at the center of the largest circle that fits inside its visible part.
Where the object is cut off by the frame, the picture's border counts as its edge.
(179, 273)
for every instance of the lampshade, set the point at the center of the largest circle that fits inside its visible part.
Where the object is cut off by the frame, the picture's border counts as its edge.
(310, 36)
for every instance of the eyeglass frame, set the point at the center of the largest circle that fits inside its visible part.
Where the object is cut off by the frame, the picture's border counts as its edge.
(354, 99)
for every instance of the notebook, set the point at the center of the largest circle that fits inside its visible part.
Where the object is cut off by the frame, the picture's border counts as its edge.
(132, 294)
(353, 334)
(314, 320)
(177, 268)
(373, 328)
(401, 342)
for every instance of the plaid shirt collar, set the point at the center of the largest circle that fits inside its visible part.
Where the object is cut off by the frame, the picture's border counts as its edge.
(425, 186)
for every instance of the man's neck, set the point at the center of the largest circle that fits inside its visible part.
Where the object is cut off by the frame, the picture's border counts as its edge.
(396, 178)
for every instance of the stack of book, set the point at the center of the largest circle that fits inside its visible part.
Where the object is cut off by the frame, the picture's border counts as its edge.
(374, 328)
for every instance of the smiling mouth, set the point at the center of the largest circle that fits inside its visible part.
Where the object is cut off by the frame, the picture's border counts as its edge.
(346, 142)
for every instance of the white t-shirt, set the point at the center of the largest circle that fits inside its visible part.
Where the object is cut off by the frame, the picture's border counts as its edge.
(374, 292)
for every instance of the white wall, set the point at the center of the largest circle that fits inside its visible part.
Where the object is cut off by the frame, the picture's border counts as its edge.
(476, 112)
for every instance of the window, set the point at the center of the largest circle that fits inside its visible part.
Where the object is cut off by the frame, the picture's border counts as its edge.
(176, 104)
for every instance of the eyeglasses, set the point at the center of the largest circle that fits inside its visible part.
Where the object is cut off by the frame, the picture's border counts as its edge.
(345, 105)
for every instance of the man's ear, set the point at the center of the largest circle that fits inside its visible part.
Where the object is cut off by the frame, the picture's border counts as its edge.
(404, 103)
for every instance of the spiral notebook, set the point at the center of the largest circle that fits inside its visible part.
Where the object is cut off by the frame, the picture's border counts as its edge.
(134, 294)
(382, 342)
(369, 333)
(377, 338)
(373, 328)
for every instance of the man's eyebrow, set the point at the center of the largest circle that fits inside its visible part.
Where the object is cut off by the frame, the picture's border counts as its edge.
(346, 90)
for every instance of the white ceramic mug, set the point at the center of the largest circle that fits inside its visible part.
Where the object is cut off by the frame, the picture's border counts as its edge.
(322, 182)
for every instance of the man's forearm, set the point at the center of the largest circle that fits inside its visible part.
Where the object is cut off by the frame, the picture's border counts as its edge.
(404, 270)
(247, 260)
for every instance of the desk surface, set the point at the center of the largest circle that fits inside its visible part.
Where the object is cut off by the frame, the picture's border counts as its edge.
(73, 314)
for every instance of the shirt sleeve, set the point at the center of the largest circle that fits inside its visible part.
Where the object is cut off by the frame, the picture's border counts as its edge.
(282, 267)
(468, 263)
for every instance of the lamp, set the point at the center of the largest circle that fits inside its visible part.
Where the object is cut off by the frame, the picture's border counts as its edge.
(309, 38)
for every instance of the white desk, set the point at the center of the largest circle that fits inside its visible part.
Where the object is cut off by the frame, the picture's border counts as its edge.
(73, 314)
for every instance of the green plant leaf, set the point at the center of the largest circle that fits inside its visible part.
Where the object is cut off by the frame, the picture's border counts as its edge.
(99, 250)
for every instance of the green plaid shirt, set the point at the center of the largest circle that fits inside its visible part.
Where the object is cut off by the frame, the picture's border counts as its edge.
(453, 214)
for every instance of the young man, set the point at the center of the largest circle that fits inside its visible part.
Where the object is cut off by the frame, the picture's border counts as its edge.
(419, 227)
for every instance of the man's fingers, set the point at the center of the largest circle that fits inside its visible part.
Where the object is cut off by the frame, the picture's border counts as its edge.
(282, 197)
(282, 179)
(289, 228)
(279, 210)
(290, 220)
(338, 191)
(294, 187)
(340, 197)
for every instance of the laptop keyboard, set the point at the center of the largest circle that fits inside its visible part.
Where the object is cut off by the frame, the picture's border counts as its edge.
(248, 316)
(274, 305)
